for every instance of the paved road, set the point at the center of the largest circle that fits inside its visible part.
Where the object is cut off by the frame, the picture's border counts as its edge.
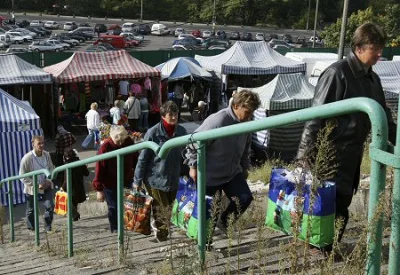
(154, 42)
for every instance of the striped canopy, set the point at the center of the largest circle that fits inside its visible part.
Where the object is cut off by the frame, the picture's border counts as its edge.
(14, 70)
(250, 58)
(285, 92)
(18, 124)
(182, 67)
(93, 66)
(16, 115)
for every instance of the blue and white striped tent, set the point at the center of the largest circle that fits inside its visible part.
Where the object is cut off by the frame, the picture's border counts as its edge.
(14, 70)
(18, 124)
(250, 58)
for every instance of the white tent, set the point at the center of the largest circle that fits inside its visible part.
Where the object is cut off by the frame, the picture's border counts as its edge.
(311, 58)
(182, 67)
(250, 58)
(18, 124)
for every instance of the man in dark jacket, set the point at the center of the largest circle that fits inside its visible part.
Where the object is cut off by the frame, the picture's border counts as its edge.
(349, 78)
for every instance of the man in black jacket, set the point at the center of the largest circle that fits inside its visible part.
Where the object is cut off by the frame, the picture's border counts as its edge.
(349, 78)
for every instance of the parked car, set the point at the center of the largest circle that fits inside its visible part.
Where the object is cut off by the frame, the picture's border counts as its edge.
(317, 39)
(48, 32)
(17, 50)
(129, 42)
(185, 35)
(181, 47)
(159, 29)
(143, 29)
(82, 34)
(275, 42)
(287, 38)
(221, 34)
(65, 46)
(96, 48)
(196, 33)
(25, 37)
(84, 24)
(36, 23)
(86, 30)
(115, 40)
(234, 36)
(100, 28)
(179, 31)
(260, 36)
(26, 32)
(5, 40)
(136, 37)
(217, 47)
(108, 46)
(36, 30)
(70, 38)
(69, 26)
(216, 42)
(51, 25)
(15, 38)
(128, 27)
(247, 36)
(41, 46)
(281, 47)
(206, 34)
(189, 42)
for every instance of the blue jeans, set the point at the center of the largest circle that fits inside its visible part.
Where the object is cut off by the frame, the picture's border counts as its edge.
(144, 121)
(91, 136)
(111, 199)
(236, 188)
(48, 203)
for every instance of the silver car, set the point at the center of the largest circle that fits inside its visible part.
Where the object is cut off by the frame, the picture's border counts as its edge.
(42, 46)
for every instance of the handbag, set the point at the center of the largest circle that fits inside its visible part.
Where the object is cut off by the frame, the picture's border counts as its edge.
(184, 203)
(291, 207)
(137, 212)
(61, 203)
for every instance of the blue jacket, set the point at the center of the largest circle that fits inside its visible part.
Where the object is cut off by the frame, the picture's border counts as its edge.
(161, 174)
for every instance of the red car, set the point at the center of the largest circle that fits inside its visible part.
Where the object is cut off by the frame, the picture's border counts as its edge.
(196, 33)
(131, 43)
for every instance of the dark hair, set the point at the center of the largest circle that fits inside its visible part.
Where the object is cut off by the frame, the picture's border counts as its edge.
(168, 107)
(368, 34)
(247, 99)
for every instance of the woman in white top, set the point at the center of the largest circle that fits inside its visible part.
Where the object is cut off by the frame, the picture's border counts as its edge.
(93, 125)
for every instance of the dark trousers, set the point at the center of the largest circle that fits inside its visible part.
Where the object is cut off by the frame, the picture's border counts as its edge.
(48, 203)
(133, 124)
(111, 199)
(342, 211)
(178, 102)
(236, 189)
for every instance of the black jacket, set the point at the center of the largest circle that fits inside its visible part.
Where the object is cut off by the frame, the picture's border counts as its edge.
(343, 80)
(78, 187)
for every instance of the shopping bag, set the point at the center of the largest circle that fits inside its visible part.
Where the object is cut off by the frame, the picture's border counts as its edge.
(289, 200)
(184, 203)
(137, 212)
(193, 224)
(61, 202)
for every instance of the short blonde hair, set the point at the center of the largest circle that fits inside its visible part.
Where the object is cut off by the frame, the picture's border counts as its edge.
(118, 133)
(93, 106)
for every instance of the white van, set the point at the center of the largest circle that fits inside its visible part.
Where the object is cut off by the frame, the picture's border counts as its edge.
(5, 40)
(159, 29)
(128, 27)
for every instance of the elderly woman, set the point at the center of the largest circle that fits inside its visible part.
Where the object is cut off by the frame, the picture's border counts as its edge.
(105, 181)
(161, 176)
(93, 124)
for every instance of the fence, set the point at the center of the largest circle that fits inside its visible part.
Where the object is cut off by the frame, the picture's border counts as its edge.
(378, 154)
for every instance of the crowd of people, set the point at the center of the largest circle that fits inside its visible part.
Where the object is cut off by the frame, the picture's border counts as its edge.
(227, 159)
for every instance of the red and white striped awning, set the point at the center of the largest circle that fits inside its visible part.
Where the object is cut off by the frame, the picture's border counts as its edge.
(93, 66)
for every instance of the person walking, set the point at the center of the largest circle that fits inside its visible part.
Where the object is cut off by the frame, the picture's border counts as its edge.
(37, 159)
(93, 125)
(64, 139)
(178, 96)
(105, 181)
(227, 159)
(133, 110)
(144, 113)
(78, 187)
(349, 78)
(161, 176)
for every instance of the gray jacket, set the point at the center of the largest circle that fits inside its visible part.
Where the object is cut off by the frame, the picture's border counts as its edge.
(162, 174)
(225, 157)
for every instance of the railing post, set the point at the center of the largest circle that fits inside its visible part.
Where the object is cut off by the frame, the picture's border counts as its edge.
(201, 192)
(394, 247)
(11, 210)
(120, 201)
(36, 209)
(69, 214)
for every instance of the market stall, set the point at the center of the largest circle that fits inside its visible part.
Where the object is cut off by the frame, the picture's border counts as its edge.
(18, 124)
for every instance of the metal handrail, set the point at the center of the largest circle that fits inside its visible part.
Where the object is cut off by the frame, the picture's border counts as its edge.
(379, 144)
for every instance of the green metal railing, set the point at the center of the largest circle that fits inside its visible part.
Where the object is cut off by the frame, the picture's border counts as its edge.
(378, 154)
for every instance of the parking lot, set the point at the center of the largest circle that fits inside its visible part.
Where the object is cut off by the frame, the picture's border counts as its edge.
(152, 42)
